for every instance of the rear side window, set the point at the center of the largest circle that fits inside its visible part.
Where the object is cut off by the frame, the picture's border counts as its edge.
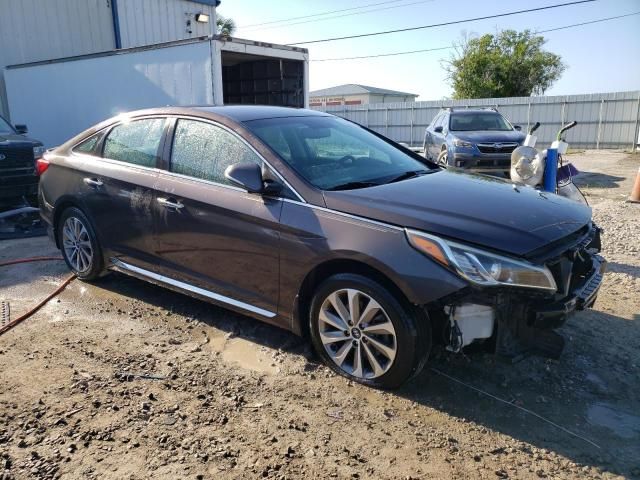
(135, 142)
(202, 150)
(88, 146)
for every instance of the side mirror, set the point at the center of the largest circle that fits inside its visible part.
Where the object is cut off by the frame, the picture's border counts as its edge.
(438, 129)
(249, 176)
(245, 175)
(22, 129)
(517, 127)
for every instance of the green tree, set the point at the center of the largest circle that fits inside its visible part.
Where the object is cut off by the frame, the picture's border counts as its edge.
(226, 26)
(507, 64)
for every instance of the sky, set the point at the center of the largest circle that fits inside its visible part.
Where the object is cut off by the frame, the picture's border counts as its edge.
(602, 57)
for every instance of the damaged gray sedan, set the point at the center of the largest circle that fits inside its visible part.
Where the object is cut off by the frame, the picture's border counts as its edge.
(323, 227)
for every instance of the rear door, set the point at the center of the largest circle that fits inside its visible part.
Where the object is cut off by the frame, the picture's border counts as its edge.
(118, 188)
(221, 241)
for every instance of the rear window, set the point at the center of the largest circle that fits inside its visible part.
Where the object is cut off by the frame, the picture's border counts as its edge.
(88, 146)
(477, 121)
(135, 142)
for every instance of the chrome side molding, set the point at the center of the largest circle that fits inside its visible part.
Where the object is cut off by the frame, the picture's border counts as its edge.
(125, 267)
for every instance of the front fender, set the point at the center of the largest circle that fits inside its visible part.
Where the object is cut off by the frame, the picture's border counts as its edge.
(312, 236)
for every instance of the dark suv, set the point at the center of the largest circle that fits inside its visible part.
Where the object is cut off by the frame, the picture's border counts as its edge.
(476, 139)
(323, 227)
(17, 161)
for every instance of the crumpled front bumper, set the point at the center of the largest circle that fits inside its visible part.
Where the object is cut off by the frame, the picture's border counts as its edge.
(582, 296)
(526, 325)
(525, 319)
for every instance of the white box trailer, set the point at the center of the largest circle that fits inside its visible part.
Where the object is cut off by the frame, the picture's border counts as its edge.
(60, 98)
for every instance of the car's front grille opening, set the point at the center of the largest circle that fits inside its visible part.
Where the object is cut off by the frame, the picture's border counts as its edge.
(12, 157)
(493, 163)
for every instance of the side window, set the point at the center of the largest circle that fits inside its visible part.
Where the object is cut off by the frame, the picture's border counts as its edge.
(202, 150)
(88, 146)
(135, 142)
(434, 122)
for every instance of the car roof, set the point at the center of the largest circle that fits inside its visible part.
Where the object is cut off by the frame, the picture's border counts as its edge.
(244, 113)
(471, 111)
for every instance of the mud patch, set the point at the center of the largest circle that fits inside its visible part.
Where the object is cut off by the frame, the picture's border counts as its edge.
(248, 355)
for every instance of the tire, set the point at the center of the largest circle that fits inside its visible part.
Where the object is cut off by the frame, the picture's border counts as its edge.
(443, 158)
(76, 234)
(392, 341)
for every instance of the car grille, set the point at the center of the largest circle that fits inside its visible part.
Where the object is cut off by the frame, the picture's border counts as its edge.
(493, 163)
(16, 158)
(497, 147)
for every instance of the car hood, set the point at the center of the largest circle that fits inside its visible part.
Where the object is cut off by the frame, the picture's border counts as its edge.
(490, 136)
(475, 209)
(15, 139)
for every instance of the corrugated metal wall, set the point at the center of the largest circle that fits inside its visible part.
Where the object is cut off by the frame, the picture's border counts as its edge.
(145, 22)
(605, 120)
(34, 30)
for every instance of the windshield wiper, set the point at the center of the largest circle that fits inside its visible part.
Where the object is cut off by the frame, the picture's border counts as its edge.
(410, 174)
(354, 185)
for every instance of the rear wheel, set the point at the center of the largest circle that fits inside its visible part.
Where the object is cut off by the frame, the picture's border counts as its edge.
(79, 244)
(364, 333)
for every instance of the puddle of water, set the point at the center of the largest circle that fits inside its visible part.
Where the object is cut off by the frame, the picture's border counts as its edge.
(623, 424)
(248, 355)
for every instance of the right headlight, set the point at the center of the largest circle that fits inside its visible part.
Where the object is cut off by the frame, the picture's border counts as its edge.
(481, 267)
(462, 143)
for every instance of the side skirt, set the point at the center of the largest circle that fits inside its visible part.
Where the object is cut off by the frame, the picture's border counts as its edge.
(187, 288)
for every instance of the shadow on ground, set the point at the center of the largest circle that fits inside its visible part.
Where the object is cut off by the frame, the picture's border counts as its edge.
(597, 180)
(590, 391)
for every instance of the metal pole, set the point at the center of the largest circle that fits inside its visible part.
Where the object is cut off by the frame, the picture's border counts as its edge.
(386, 121)
(367, 114)
(549, 179)
(411, 127)
(528, 115)
(636, 132)
(599, 125)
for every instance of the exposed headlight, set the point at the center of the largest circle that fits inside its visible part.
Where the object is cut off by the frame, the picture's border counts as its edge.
(481, 267)
(462, 143)
(38, 152)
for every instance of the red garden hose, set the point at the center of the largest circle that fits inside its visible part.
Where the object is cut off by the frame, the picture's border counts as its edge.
(33, 310)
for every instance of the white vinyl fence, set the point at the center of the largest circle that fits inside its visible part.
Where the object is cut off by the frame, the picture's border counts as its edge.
(605, 120)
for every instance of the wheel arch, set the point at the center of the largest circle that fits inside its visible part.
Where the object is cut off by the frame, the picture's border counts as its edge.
(61, 205)
(326, 269)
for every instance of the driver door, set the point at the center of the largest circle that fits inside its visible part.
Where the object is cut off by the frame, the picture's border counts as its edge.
(210, 234)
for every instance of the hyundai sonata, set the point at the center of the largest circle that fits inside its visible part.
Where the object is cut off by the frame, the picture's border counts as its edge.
(323, 227)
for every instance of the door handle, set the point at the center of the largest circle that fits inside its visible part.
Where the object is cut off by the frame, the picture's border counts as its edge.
(93, 182)
(170, 203)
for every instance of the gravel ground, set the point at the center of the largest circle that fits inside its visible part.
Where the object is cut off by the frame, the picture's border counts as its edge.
(122, 379)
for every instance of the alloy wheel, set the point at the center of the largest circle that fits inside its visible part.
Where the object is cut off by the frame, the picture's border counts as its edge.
(357, 333)
(77, 245)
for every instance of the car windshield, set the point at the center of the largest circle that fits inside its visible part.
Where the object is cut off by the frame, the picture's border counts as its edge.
(5, 127)
(465, 122)
(334, 154)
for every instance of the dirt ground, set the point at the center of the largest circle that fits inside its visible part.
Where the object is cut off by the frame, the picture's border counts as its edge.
(122, 379)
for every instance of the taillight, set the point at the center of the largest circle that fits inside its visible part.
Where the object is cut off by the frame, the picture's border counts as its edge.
(41, 166)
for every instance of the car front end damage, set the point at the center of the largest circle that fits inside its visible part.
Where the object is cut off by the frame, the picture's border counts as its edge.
(512, 319)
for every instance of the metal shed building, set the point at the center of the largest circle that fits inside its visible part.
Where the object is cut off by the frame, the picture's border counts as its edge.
(354, 94)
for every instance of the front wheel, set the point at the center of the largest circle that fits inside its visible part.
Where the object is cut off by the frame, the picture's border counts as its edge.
(79, 244)
(364, 333)
(443, 158)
